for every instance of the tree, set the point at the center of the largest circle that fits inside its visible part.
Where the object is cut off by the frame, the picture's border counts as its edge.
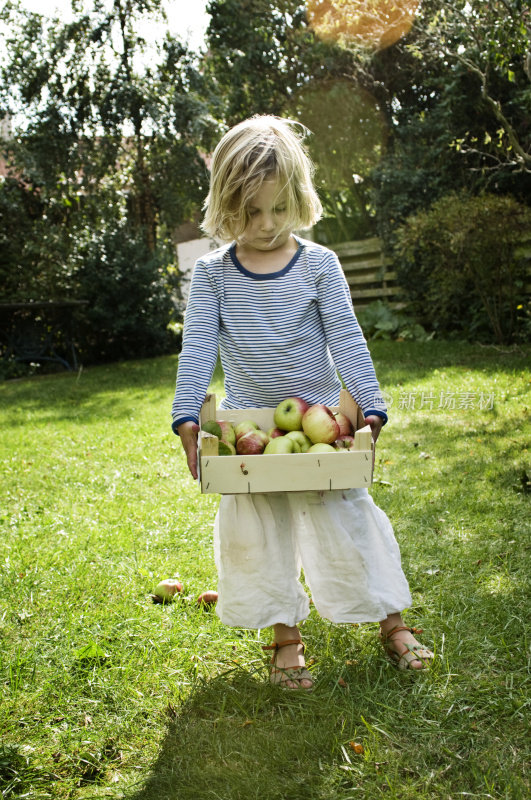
(439, 88)
(109, 148)
(460, 98)
(266, 59)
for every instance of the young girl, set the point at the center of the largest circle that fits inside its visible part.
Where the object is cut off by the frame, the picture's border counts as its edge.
(279, 309)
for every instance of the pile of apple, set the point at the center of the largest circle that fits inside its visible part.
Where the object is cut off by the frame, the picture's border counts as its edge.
(299, 428)
(170, 588)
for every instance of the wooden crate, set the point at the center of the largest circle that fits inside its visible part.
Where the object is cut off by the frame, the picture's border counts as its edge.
(294, 472)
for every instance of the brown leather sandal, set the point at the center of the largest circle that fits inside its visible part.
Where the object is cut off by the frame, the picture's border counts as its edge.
(416, 652)
(279, 676)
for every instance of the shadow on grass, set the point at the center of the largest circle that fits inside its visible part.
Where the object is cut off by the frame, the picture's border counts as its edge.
(235, 738)
(429, 735)
(112, 390)
(238, 737)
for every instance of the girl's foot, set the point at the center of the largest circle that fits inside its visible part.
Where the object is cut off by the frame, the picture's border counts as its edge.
(402, 647)
(288, 667)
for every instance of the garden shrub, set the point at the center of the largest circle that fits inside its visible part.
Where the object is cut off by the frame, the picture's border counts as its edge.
(379, 321)
(129, 301)
(462, 268)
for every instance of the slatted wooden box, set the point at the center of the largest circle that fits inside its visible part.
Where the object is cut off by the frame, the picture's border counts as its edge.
(294, 472)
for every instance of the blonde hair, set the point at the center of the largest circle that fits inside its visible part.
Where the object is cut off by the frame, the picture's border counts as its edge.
(255, 150)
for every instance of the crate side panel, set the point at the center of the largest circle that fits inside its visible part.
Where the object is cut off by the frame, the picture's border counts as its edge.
(281, 473)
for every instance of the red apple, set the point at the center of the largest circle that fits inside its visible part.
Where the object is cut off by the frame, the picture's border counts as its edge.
(207, 598)
(252, 443)
(345, 425)
(319, 425)
(244, 427)
(274, 433)
(288, 414)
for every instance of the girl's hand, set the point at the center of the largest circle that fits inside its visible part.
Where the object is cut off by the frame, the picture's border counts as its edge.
(188, 432)
(376, 424)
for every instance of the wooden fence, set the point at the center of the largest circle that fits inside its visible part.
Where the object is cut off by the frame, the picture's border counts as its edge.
(369, 273)
(371, 276)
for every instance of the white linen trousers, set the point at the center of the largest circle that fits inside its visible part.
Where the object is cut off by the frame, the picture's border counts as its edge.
(344, 543)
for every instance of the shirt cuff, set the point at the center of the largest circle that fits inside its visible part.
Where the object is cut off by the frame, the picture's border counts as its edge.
(179, 421)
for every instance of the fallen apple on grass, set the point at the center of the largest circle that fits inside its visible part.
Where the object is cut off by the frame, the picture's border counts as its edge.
(166, 590)
(208, 598)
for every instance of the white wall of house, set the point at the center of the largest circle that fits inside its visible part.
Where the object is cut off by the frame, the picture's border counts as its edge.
(187, 254)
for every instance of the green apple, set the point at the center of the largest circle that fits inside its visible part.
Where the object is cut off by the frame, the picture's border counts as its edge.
(321, 447)
(319, 424)
(227, 431)
(345, 443)
(213, 427)
(301, 439)
(166, 590)
(288, 414)
(279, 445)
(226, 448)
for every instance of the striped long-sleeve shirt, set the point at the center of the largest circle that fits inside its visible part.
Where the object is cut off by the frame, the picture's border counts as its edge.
(282, 334)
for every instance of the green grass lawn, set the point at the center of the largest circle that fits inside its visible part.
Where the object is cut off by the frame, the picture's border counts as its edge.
(105, 694)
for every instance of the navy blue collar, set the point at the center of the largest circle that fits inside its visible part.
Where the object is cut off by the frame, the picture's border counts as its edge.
(269, 275)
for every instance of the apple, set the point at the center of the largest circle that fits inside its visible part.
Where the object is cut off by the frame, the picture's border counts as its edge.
(301, 439)
(322, 447)
(252, 443)
(319, 424)
(213, 427)
(244, 427)
(273, 433)
(345, 425)
(165, 591)
(226, 448)
(281, 444)
(344, 443)
(288, 414)
(207, 598)
(227, 431)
